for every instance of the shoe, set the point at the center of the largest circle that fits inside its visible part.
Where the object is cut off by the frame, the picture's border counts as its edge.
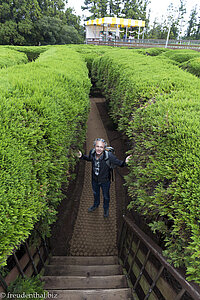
(92, 208)
(106, 213)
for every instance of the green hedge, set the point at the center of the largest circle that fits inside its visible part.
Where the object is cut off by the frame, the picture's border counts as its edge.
(192, 66)
(157, 105)
(152, 51)
(30, 288)
(90, 52)
(32, 52)
(9, 57)
(44, 109)
(181, 55)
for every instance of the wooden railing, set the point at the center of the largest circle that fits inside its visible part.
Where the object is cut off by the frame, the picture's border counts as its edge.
(28, 261)
(148, 272)
(150, 275)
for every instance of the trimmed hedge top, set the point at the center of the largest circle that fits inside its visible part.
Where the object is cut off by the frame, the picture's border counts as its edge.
(188, 60)
(9, 57)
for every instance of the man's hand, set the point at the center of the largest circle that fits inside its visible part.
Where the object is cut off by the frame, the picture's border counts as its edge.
(79, 154)
(128, 157)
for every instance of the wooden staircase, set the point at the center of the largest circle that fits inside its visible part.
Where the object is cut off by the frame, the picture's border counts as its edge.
(86, 278)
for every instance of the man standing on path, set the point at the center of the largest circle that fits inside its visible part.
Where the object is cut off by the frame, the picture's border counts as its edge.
(101, 172)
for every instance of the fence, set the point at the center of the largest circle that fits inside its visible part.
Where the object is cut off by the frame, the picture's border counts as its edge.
(28, 260)
(151, 276)
(147, 43)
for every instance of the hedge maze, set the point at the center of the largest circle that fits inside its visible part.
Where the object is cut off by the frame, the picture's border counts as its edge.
(153, 96)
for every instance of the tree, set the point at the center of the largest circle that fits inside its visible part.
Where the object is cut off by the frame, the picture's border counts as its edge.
(52, 7)
(17, 18)
(18, 10)
(192, 24)
(114, 8)
(9, 34)
(156, 31)
(21, 22)
(131, 9)
(73, 20)
(102, 6)
(169, 25)
(135, 9)
(160, 30)
(181, 15)
(50, 31)
(92, 7)
(197, 34)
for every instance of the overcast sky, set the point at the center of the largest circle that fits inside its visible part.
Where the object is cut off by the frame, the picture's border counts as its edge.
(158, 7)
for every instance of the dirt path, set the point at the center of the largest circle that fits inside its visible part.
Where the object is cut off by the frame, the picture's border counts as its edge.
(93, 234)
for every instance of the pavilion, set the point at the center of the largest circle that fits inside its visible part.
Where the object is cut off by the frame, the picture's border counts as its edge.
(109, 28)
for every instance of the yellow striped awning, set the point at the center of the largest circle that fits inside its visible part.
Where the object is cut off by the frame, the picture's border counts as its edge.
(116, 21)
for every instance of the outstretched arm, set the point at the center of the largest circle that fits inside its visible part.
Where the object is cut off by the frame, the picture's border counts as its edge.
(82, 156)
(117, 162)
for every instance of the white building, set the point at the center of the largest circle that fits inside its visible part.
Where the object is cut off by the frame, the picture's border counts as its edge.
(109, 28)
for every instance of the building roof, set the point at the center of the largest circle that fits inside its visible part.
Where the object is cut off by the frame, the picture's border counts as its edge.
(116, 21)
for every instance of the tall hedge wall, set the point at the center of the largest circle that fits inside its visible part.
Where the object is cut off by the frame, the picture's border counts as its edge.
(44, 107)
(157, 105)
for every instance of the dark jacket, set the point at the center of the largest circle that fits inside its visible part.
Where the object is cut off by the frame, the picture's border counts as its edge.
(105, 171)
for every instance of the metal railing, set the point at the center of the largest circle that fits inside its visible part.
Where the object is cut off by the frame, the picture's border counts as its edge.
(147, 43)
(27, 260)
(151, 276)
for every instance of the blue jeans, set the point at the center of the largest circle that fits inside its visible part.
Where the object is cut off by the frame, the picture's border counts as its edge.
(106, 193)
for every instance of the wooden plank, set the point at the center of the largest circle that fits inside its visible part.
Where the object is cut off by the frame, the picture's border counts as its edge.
(79, 282)
(84, 260)
(105, 294)
(78, 270)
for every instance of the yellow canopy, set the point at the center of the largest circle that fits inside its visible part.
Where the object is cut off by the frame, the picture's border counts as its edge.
(116, 21)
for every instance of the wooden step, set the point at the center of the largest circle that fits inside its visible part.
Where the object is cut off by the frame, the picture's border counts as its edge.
(79, 282)
(106, 294)
(78, 270)
(84, 260)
